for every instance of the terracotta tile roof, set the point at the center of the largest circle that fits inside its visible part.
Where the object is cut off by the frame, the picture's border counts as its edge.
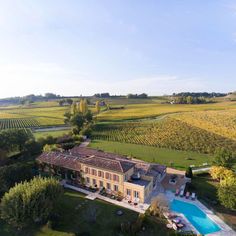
(61, 160)
(97, 158)
(74, 158)
(108, 163)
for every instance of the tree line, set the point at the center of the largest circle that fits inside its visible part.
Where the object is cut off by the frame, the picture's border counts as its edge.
(189, 100)
(200, 94)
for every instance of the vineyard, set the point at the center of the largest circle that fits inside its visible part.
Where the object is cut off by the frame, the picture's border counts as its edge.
(166, 133)
(18, 123)
(43, 116)
(219, 122)
(139, 111)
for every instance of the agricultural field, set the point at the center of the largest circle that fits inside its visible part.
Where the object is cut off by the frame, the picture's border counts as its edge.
(126, 101)
(56, 133)
(221, 122)
(164, 133)
(139, 111)
(26, 117)
(164, 156)
(18, 123)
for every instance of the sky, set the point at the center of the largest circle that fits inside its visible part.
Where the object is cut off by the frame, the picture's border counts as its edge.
(74, 47)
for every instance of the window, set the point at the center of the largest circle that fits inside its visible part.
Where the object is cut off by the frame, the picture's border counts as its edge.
(87, 180)
(94, 182)
(87, 170)
(136, 194)
(116, 178)
(108, 186)
(94, 172)
(116, 189)
(101, 184)
(100, 174)
(107, 175)
(128, 192)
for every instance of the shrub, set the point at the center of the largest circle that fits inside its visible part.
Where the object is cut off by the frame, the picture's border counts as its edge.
(227, 192)
(12, 174)
(189, 173)
(30, 202)
(220, 173)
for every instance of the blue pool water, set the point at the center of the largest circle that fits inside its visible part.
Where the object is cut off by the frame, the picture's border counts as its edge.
(195, 216)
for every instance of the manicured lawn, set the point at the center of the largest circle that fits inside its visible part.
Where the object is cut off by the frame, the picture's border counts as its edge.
(206, 190)
(43, 134)
(75, 218)
(180, 159)
(78, 210)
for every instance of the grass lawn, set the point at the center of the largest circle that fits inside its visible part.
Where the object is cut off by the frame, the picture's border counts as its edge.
(180, 159)
(206, 190)
(75, 213)
(57, 133)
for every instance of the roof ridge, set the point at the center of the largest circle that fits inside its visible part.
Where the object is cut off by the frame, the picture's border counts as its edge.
(121, 167)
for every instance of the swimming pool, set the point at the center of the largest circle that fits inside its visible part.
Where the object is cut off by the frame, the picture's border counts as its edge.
(195, 216)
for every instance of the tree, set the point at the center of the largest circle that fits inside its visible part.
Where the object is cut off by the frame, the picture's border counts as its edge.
(12, 174)
(30, 202)
(86, 131)
(189, 173)
(73, 109)
(159, 204)
(32, 147)
(14, 139)
(83, 108)
(224, 158)
(97, 106)
(227, 192)
(52, 148)
(3, 157)
(78, 120)
(67, 117)
(220, 173)
(189, 100)
(88, 116)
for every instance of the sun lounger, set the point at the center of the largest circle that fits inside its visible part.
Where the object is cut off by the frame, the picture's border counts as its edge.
(193, 196)
(187, 195)
(180, 225)
(175, 227)
(182, 193)
(169, 215)
(177, 192)
(176, 221)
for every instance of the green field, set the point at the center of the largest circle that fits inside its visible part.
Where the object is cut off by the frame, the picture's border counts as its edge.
(74, 211)
(44, 134)
(177, 159)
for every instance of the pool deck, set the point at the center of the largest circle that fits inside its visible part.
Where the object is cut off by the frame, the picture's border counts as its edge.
(225, 229)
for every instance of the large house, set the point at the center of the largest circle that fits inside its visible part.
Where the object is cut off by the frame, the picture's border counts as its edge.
(133, 179)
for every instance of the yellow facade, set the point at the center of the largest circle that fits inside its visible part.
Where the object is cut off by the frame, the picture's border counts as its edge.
(116, 182)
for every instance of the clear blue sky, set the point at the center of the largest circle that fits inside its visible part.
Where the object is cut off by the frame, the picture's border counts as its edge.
(118, 46)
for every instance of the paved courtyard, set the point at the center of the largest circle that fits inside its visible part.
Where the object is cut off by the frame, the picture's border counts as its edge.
(180, 179)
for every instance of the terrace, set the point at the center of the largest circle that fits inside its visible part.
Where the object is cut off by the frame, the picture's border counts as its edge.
(140, 182)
